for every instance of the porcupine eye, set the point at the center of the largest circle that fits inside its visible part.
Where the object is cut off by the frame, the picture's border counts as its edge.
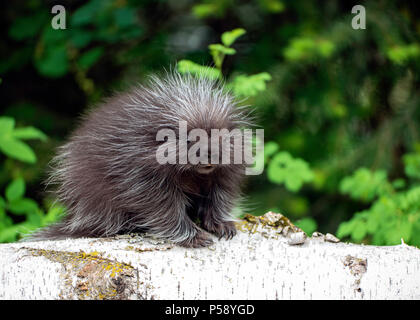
(189, 144)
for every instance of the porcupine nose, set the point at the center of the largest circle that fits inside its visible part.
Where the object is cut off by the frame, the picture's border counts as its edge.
(208, 167)
(205, 169)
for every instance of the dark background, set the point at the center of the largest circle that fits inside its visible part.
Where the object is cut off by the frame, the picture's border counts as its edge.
(339, 99)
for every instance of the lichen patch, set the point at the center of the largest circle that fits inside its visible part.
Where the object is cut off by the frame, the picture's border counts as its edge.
(266, 224)
(88, 275)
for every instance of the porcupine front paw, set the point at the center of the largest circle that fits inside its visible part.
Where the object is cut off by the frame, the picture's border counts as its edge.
(201, 239)
(225, 229)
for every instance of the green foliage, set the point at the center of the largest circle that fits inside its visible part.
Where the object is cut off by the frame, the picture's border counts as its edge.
(15, 203)
(402, 54)
(249, 86)
(15, 190)
(186, 66)
(273, 6)
(27, 27)
(10, 140)
(219, 51)
(282, 168)
(305, 48)
(293, 173)
(241, 85)
(412, 165)
(89, 58)
(393, 214)
(308, 225)
(98, 23)
(340, 98)
(364, 184)
(229, 37)
(53, 61)
(215, 8)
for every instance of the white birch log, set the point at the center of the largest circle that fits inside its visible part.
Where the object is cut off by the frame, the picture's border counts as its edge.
(268, 259)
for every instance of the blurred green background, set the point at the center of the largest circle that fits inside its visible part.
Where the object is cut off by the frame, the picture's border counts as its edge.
(340, 107)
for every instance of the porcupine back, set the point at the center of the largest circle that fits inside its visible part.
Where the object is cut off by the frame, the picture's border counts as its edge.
(107, 175)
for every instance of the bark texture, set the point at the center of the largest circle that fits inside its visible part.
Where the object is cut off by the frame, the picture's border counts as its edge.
(270, 258)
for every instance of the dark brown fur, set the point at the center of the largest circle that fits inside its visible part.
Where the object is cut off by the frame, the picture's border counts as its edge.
(110, 182)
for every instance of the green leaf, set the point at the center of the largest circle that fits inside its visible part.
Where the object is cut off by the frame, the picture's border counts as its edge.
(53, 38)
(23, 206)
(359, 231)
(412, 165)
(90, 57)
(11, 233)
(299, 49)
(27, 27)
(405, 228)
(86, 13)
(308, 225)
(325, 48)
(392, 236)
(204, 10)
(306, 48)
(125, 17)
(270, 148)
(398, 183)
(283, 168)
(415, 234)
(6, 125)
(248, 86)
(229, 37)
(217, 48)
(34, 218)
(15, 190)
(187, 66)
(372, 223)
(410, 199)
(54, 62)
(345, 228)
(29, 133)
(401, 54)
(80, 37)
(364, 184)
(54, 213)
(274, 6)
(17, 149)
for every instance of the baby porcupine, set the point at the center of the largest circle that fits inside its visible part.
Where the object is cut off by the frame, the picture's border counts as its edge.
(110, 181)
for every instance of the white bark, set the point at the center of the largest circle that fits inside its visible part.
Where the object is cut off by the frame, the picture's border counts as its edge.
(259, 263)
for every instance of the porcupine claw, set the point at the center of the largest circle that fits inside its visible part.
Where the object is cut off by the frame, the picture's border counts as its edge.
(225, 230)
(201, 239)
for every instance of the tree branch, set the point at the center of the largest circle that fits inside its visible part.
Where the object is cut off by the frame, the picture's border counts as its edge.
(270, 258)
